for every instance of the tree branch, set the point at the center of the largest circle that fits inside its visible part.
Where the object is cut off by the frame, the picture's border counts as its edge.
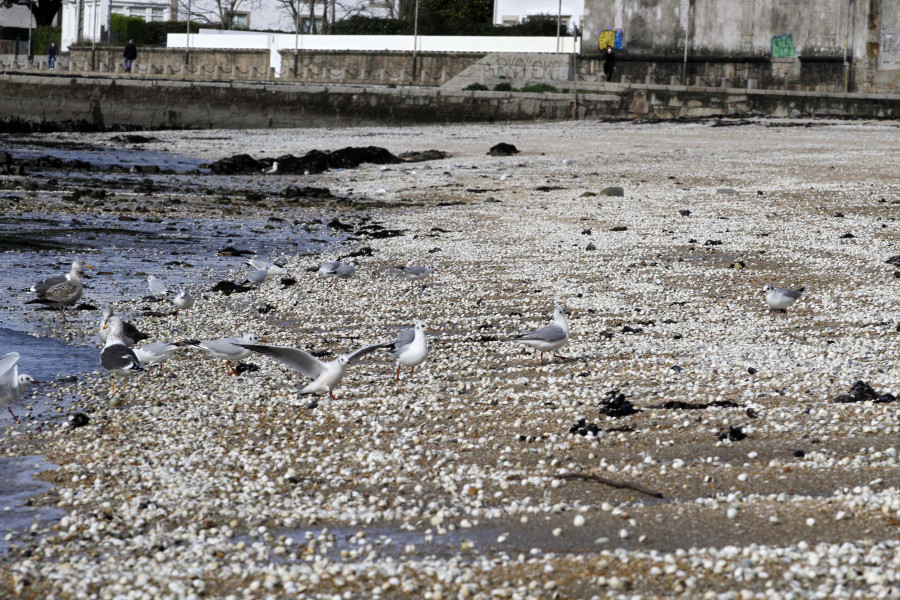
(611, 482)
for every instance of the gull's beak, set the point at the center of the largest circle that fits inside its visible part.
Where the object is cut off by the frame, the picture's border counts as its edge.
(89, 267)
(105, 325)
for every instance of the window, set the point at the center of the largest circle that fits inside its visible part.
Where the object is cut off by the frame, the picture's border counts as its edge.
(306, 25)
(158, 14)
(240, 20)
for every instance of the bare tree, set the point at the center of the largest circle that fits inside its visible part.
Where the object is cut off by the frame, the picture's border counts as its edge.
(219, 11)
(297, 10)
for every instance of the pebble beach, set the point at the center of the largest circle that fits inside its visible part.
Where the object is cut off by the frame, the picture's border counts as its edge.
(754, 467)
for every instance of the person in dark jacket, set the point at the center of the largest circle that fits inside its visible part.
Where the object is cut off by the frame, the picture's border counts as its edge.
(52, 53)
(130, 54)
(609, 63)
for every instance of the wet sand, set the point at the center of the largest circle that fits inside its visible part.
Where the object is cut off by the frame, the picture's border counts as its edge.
(452, 483)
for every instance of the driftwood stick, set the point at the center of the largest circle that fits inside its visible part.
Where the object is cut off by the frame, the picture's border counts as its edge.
(612, 483)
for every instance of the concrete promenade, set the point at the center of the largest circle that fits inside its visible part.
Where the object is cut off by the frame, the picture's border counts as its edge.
(158, 102)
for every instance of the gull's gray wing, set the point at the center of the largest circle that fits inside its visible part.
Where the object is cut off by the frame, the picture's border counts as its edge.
(418, 271)
(550, 333)
(258, 276)
(41, 287)
(330, 267)
(793, 294)
(7, 362)
(221, 346)
(294, 358)
(356, 355)
(119, 357)
(404, 339)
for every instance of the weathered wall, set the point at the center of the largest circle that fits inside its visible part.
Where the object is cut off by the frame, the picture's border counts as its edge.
(432, 68)
(234, 64)
(809, 30)
(202, 104)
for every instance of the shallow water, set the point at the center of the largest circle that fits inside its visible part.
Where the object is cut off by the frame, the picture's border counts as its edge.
(17, 484)
(104, 157)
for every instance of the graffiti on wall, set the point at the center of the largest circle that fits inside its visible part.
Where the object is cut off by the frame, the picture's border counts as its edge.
(526, 67)
(783, 46)
(611, 37)
(890, 43)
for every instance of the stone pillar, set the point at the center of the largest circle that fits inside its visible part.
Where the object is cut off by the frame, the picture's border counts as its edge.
(218, 72)
(271, 73)
(445, 75)
(674, 80)
(234, 70)
(382, 77)
(363, 75)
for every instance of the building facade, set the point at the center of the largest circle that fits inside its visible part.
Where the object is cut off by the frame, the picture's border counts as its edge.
(513, 12)
(89, 20)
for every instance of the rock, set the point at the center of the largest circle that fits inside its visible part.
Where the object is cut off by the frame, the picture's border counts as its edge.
(583, 428)
(77, 420)
(243, 367)
(314, 161)
(590, 247)
(861, 391)
(737, 265)
(733, 434)
(615, 405)
(232, 251)
(300, 191)
(728, 191)
(132, 139)
(684, 212)
(230, 287)
(424, 155)
(287, 282)
(618, 228)
(894, 260)
(147, 169)
(712, 243)
(613, 191)
(847, 236)
(588, 195)
(503, 149)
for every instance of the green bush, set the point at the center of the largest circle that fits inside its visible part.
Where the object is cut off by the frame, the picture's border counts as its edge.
(130, 28)
(476, 87)
(540, 88)
(42, 36)
(158, 30)
(503, 87)
(359, 25)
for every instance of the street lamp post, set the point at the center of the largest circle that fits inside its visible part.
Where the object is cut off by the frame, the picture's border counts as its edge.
(558, 24)
(94, 38)
(297, 40)
(29, 55)
(187, 37)
(415, 40)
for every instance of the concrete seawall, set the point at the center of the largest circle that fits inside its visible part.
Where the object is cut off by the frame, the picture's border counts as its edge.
(160, 103)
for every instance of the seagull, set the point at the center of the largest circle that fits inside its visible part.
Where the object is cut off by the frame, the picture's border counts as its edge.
(42, 286)
(257, 277)
(157, 287)
(182, 301)
(63, 293)
(781, 298)
(411, 347)
(229, 349)
(270, 267)
(116, 357)
(336, 269)
(325, 375)
(273, 170)
(549, 338)
(155, 353)
(12, 385)
(416, 272)
(568, 161)
(130, 333)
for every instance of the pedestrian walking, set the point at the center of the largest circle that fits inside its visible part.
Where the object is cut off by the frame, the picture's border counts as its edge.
(130, 54)
(52, 53)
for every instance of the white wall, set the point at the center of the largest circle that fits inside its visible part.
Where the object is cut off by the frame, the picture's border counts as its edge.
(374, 43)
(97, 16)
(270, 15)
(505, 9)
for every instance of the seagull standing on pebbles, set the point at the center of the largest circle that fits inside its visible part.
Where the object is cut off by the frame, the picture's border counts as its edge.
(270, 267)
(229, 349)
(549, 338)
(781, 298)
(325, 375)
(273, 169)
(64, 292)
(411, 348)
(116, 357)
(12, 385)
(416, 272)
(155, 353)
(336, 269)
(157, 287)
(130, 334)
(182, 301)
